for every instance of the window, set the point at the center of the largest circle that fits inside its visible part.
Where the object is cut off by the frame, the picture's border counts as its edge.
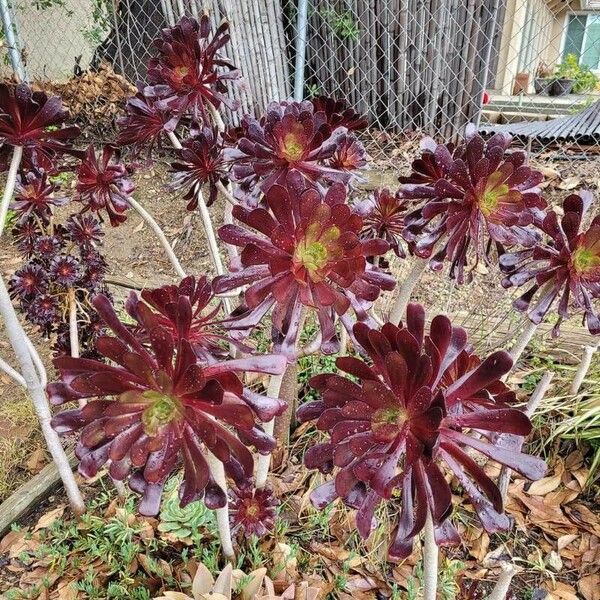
(583, 40)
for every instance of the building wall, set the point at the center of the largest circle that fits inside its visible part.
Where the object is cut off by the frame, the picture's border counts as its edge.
(545, 39)
(52, 37)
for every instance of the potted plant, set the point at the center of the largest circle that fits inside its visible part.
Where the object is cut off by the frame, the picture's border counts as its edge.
(566, 73)
(543, 79)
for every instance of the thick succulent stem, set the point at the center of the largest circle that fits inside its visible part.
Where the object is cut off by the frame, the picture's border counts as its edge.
(404, 292)
(16, 336)
(164, 242)
(226, 194)
(15, 375)
(217, 118)
(503, 584)
(218, 474)
(532, 405)
(73, 331)
(9, 188)
(37, 361)
(522, 341)
(430, 560)
(263, 462)
(343, 340)
(288, 391)
(213, 247)
(584, 367)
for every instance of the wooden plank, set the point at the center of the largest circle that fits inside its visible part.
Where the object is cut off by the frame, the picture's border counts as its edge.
(30, 494)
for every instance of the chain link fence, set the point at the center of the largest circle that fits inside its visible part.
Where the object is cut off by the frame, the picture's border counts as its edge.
(529, 67)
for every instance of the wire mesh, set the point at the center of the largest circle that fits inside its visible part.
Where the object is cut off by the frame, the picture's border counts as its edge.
(410, 65)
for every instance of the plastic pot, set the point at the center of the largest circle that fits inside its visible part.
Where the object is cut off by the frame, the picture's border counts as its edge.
(561, 87)
(543, 85)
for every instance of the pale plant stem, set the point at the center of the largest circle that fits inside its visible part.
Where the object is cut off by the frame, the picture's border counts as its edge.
(584, 367)
(217, 118)
(263, 462)
(343, 340)
(218, 474)
(174, 140)
(120, 487)
(16, 336)
(213, 247)
(209, 230)
(532, 405)
(37, 361)
(232, 251)
(15, 375)
(149, 220)
(522, 341)
(404, 292)
(11, 180)
(226, 193)
(430, 560)
(503, 584)
(73, 333)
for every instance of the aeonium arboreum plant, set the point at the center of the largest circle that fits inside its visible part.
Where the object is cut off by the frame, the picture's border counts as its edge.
(35, 122)
(36, 195)
(63, 270)
(146, 122)
(252, 511)
(189, 71)
(304, 251)
(103, 184)
(155, 404)
(383, 215)
(566, 267)
(473, 197)
(293, 137)
(200, 162)
(170, 303)
(420, 403)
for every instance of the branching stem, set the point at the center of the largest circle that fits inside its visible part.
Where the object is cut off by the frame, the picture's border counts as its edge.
(11, 180)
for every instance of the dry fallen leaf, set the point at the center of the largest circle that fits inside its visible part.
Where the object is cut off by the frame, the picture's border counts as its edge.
(50, 517)
(570, 183)
(589, 587)
(36, 461)
(544, 486)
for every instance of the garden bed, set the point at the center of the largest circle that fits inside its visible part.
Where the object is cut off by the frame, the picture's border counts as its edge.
(554, 516)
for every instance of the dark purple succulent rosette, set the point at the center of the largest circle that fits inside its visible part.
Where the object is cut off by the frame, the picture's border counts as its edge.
(206, 332)
(291, 138)
(145, 123)
(339, 113)
(189, 71)
(103, 184)
(384, 215)
(403, 415)
(201, 162)
(154, 404)
(350, 155)
(303, 250)
(35, 122)
(566, 268)
(36, 195)
(84, 230)
(252, 511)
(474, 197)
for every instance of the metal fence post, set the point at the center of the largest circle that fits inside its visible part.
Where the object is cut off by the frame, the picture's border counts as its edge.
(301, 25)
(14, 51)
